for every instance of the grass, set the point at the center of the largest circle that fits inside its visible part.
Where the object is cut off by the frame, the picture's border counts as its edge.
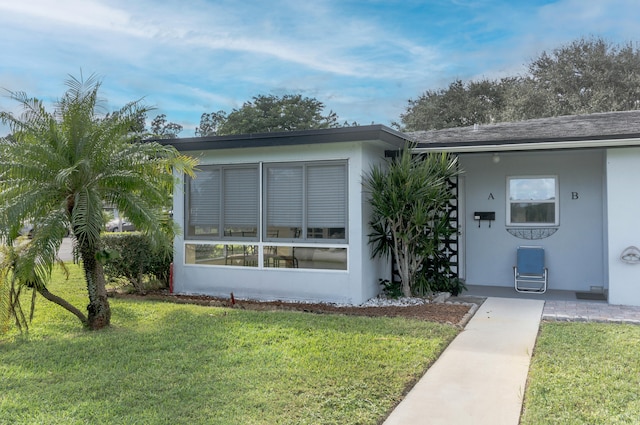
(584, 373)
(163, 363)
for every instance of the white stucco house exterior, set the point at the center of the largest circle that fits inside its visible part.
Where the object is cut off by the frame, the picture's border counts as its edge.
(280, 215)
(284, 215)
(578, 176)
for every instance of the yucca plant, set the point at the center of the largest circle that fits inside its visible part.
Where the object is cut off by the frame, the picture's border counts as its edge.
(59, 168)
(408, 196)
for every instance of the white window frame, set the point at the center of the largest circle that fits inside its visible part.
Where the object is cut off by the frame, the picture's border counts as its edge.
(222, 169)
(555, 201)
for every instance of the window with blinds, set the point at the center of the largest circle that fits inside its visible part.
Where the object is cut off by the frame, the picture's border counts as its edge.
(240, 202)
(326, 201)
(284, 189)
(223, 197)
(203, 203)
(306, 201)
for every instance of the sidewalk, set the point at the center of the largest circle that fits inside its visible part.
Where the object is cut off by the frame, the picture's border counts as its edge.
(480, 378)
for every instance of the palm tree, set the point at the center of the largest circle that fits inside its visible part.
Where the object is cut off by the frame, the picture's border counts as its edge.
(58, 170)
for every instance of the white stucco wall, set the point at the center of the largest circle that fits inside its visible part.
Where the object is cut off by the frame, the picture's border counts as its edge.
(574, 254)
(623, 203)
(355, 285)
(372, 269)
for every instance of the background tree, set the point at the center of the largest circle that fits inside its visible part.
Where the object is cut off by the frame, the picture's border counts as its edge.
(461, 104)
(210, 123)
(60, 168)
(269, 113)
(163, 129)
(586, 76)
(408, 196)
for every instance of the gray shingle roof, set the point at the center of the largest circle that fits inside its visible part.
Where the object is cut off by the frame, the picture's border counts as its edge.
(609, 125)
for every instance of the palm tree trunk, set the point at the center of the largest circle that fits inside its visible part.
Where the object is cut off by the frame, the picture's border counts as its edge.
(99, 312)
(63, 303)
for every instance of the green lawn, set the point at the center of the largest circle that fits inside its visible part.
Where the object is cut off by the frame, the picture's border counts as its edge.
(163, 363)
(584, 373)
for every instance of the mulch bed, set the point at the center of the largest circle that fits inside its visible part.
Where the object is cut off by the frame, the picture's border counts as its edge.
(450, 313)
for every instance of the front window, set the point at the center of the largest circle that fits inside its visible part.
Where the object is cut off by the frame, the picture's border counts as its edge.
(271, 216)
(203, 203)
(305, 257)
(306, 202)
(222, 255)
(532, 201)
(222, 202)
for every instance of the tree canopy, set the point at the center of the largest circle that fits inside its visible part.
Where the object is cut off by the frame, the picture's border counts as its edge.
(269, 113)
(585, 76)
(59, 168)
(163, 129)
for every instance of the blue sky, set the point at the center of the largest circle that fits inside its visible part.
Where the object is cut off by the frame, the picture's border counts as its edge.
(363, 59)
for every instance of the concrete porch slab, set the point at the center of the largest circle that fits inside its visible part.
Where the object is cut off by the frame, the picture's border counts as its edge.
(474, 291)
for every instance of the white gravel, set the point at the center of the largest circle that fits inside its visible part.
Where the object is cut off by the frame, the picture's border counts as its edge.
(379, 301)
(383, 301)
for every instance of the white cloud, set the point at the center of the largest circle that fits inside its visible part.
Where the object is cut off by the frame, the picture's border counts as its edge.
(90, 14)
(363, 59)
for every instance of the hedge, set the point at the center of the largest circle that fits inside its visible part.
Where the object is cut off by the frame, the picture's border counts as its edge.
(131, 255)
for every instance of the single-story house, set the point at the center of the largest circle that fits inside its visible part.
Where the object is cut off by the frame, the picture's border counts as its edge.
(284, 215)
(280, 215)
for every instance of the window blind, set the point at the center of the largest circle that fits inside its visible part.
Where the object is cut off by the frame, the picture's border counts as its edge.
(284, 196)
(241, 197)
(326, 196)
(204, 198)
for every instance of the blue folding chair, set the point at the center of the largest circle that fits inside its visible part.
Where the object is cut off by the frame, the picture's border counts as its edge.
(530, 273)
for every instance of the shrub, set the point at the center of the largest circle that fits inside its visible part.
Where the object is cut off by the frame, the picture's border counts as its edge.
(132, 256)
(409, 194)
(391, 288)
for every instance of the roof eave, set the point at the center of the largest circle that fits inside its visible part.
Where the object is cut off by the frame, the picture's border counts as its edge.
(494, 146)
(290, 138)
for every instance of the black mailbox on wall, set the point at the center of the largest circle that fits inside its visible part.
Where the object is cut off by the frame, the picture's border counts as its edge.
(484, 216)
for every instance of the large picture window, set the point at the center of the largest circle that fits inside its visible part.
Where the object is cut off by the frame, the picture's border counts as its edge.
(303, 224)
(222, 202)
(301, 202)
(532, 201)
(306, 202)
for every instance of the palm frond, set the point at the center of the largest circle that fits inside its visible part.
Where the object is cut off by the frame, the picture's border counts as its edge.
(5, 304)
(86, 218)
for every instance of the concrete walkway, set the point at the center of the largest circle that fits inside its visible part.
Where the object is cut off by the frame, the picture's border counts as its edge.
(480, 378)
